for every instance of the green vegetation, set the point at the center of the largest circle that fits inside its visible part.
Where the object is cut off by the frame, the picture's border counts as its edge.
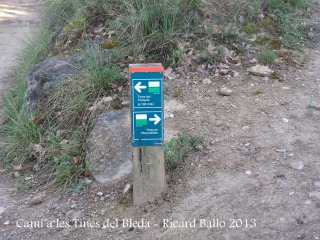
(65, 110)
(98, 73)
(251, 28)
(177, 148)
(290, 24)
(152, 27)
(266, 56)
(280, 175)
(176, 94)
(313, 107)
(253, 16)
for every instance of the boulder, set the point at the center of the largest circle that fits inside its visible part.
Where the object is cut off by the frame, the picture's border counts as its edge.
(47, 74)
(108, 147)
(261, 71)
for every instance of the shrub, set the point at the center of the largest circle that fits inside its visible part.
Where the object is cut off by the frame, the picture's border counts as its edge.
(177, 148)
(266, 56)
(100, 74)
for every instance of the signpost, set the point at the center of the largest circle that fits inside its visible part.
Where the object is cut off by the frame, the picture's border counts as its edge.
(147, 101)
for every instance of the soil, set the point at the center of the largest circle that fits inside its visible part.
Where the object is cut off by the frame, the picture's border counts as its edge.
(256, 177)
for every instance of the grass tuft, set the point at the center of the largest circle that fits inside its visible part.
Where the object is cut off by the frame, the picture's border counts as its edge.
(266, 56)
(177, 148)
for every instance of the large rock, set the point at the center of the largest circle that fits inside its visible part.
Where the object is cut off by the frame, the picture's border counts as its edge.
(47, 74)
(108, 147)
(261, 71)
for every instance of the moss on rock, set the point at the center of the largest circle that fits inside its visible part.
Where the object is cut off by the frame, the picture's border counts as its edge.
(251, 28)
(69, 36)
(109, 44)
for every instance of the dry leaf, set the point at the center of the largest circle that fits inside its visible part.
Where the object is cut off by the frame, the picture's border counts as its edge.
(167, 72)
(64, 142)
(75, 160)
(106, 99)
(94, 107)
(59, 133)
(223, 66)
(17, 168)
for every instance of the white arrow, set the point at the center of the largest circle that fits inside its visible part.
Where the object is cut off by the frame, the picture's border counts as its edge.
(138, 87)
(156, 119)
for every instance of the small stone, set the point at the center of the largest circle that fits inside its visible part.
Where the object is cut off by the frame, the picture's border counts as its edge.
(100, 194)
(102, 212)
(291, 193)
(126, 189)
(297, 165)
(261, 71)
(248, 172)
(2, 210)
(60, 133)
(254, 60)
(171, 116)
(224, 71)
(314, 196)
(317, 184)
(235, 74)
(126, 103)
(219, 123)
(206, 81)
(225, 91)
(281, 150)
(16, 174)
(72, 214)
(284, 120)
(282, 220)
(223, 66)
(308, 202)
(37, 199)
(6, 223)
(245, 128)
(87, 181)
(241, 19)
(168, 72)
(28, 178)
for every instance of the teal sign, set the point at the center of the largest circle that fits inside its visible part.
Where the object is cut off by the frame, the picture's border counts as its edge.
(148, 128)
(147, 104)
(147, 92)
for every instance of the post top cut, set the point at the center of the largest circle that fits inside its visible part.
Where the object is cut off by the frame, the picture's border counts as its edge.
(148, 67)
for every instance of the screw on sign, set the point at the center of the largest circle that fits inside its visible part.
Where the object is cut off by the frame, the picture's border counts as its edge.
(147, 131)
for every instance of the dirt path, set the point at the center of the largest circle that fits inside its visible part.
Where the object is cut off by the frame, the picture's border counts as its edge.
(17, 20)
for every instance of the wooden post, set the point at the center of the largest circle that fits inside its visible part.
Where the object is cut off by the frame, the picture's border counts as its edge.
(148, 173)
(147, 117)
